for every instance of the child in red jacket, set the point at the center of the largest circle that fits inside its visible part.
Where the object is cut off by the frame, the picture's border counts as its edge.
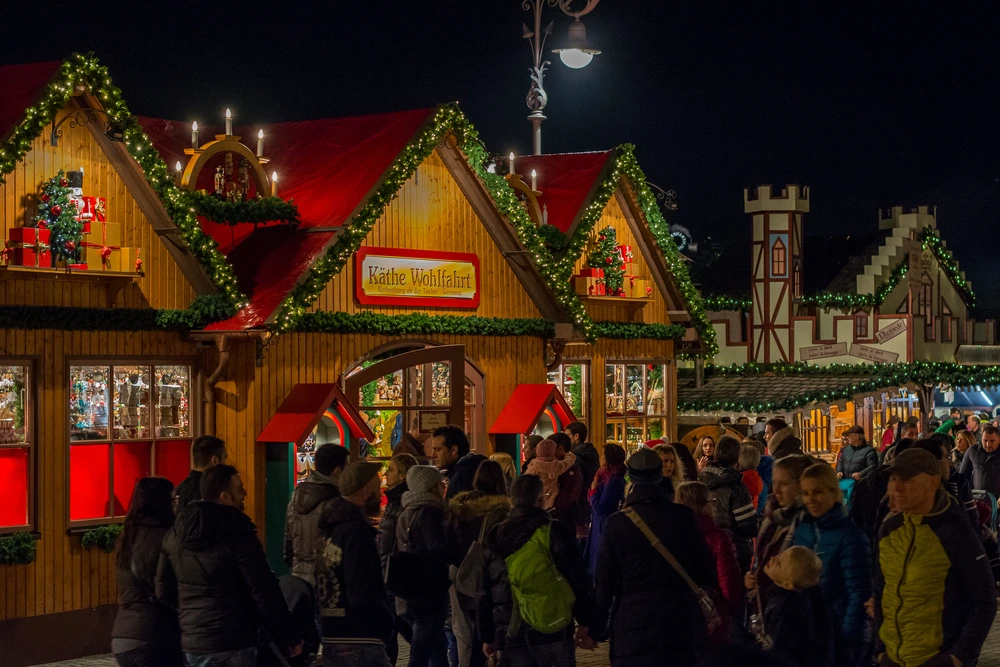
(749, 460)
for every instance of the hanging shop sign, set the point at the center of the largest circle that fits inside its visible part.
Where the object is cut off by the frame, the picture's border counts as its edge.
(822, 351)
(397, 277)
(891, 331)
(873, 354)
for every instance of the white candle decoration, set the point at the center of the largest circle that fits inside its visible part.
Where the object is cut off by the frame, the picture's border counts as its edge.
(260, 143)
(534, 180)
(177, 167)
(274, 184)
(510, 163)
(194, 134)
(229, 123)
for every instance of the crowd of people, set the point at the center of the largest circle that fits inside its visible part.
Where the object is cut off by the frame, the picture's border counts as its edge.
(672, 558)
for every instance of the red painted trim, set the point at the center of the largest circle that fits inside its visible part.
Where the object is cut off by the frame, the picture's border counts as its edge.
(432, 302)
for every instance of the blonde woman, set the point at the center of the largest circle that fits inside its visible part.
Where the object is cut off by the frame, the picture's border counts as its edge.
(963, 440)
(507, 465)
(673, 468)
(844, 550)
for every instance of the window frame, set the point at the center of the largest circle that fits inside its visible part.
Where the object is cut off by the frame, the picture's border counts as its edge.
(587, 381)
(860, 325)
(779, 258)
(31, 438)
(194, 420)
(645, 418)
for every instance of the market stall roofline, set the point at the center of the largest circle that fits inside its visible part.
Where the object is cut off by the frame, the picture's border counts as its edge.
(303, 409)
(525, 407)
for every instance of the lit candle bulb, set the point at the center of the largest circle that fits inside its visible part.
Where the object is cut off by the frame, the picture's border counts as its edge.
(194, 134)
(534, 180)
(545, 214)
(229, 123)
(510, 163)
(260, 143)
(274, 184)
(177, 170)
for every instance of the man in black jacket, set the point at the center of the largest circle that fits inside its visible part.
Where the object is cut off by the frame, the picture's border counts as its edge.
(524, 646)
(589, 461)
(356, 620)
(310, 500)
(451, 451)
(858, 457)
(734, 510)
(206, 451)
(213, 570)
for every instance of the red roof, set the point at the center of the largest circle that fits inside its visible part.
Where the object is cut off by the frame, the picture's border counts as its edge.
(22, 86)
(566, 181)
(302, 410)
(527, 405)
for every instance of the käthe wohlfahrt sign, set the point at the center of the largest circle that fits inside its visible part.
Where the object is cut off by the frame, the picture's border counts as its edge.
(398, 277)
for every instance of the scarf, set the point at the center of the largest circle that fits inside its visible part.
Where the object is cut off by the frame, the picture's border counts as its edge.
(607, 473)
(420, 498)
(776, 532)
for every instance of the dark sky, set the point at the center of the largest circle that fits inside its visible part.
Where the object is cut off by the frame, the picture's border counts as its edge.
(870, 103)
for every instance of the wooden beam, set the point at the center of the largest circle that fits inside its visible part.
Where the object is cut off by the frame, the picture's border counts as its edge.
(149, 203)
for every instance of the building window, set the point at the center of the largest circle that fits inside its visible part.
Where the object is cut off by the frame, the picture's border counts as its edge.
(16, 448)
(778, 265)
(797, 280)
(946, 322)
(573, 380)
(127, 422)
(924, 297)
(860, 324)
(635, 403)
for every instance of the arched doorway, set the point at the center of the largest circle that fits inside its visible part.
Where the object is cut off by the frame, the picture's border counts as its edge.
(406, 389)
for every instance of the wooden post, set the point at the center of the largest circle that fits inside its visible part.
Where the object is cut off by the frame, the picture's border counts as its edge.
(699, 373)
(925, 397)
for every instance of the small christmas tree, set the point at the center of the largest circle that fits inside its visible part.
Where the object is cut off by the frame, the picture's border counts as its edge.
(604, 255)
(57, 213)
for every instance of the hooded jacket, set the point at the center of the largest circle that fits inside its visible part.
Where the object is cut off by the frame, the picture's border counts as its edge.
(846, 576)
(934, 591)
(309, 500)
(799, 624)
(140, 616)
(726, 568)
(189, 490)
(387, 526)
(354, 607)
(589, 460)
(213, 570)
(983, 468)
(421, 531)
(462, 473)
(734, 510)
(783, 443)
(861, 459)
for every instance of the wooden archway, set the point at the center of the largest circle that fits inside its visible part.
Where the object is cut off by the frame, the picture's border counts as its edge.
(224, 144)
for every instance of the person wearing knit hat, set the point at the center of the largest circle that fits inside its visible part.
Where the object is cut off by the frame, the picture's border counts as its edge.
(548, 468)
(645, 468)
(422, 479)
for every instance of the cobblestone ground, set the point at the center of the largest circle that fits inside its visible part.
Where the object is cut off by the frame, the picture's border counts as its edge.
(598, 658)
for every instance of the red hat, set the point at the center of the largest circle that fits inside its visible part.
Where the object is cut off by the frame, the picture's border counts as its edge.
(653, 443)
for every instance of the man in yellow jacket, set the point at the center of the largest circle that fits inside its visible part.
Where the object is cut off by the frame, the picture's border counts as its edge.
(935, 597)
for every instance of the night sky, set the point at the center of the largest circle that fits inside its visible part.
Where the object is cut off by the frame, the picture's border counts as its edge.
(871, 104)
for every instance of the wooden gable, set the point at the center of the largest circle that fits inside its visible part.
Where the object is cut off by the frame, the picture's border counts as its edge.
(431, 212)
(162, 285)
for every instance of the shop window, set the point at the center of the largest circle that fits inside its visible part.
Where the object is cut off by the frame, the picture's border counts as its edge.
(635, 403)
(16, 440)
(797, 280)
(127, 422)
(778, 263)
(573, 380)
(860, 325)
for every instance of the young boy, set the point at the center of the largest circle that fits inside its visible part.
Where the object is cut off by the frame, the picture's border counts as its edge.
(796, 618)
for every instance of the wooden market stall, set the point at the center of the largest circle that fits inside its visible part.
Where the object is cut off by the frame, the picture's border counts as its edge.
(532, 409)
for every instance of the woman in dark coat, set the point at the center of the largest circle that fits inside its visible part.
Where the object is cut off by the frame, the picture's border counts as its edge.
(606, 496)
(395, 482)
(146, 632)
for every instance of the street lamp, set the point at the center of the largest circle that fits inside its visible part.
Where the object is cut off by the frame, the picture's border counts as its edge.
(576, 54)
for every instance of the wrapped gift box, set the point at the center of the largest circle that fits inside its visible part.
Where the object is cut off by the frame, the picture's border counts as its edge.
(636, 288)
(131, 259)
(592, 273)
(29, 256)
(588, 286)
(29, 235)
(97, 261)
(105, 233)
(29, 246)
(625, 251)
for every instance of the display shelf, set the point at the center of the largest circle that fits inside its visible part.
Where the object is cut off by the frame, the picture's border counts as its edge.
(114, 281)
(629, 303)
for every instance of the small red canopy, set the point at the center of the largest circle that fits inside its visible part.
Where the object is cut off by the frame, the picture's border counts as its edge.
(301, 411)
(526, 406)
(567, 182)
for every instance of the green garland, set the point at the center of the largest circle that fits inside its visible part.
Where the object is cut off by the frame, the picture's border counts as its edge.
(87, 71)
(102, 537)
(555, 240)
(724, 303)
(18, 549)
(848, 301)
(204, 309)
(632, 330)
(256, 211)
(929, 238)
(423, 324)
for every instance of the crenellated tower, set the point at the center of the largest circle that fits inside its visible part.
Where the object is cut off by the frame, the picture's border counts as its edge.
(776, 268)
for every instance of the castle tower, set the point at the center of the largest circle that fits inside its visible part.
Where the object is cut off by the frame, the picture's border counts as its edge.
(776, 269)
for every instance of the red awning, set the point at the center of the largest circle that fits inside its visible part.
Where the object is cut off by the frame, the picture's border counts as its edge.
(527, 405)
(566, 182)
(302, 409)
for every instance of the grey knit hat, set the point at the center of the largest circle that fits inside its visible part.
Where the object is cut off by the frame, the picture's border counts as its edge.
(422, 478)
(645, 467)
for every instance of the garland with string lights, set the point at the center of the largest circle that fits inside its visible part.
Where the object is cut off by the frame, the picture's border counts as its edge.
(204, 309)
(255, 211)
(724, 303)
(848, 301)
(930, 239)
(87, 71)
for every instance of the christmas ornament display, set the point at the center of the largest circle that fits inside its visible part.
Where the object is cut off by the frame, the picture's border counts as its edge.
(58, 214)
(605, 255)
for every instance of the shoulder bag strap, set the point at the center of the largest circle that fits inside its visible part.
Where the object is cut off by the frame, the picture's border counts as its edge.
(660, 548)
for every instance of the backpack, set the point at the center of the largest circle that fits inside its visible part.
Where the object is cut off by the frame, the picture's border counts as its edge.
(542, 596)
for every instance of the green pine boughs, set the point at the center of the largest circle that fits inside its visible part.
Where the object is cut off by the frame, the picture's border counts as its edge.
(57, 213)
(256, 211)
(102, 537)
(423, 324)
(18, 549)
(553, 239)
(604, 255)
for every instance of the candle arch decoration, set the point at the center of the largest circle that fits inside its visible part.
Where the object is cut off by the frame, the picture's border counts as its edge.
(200, 156)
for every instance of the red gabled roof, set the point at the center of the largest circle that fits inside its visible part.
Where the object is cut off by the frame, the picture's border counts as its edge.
(22, 87)
(302, 410)
(566, 182)
(526, 406)
(327, 167)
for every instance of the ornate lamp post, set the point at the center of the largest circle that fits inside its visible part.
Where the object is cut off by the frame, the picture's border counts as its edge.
(576, 54)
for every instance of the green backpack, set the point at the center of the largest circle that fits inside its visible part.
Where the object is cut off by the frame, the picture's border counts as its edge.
(542, 596)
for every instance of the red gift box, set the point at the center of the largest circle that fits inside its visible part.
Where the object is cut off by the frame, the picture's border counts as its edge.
(29, 246)
(29, 235)
(28, 256)
(625, 251)
(592, 273)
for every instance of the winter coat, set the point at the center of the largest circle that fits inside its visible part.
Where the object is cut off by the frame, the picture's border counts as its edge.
(734, 509)
(496, 603)
(464, 522)
(589, 460)
(799, 625)
(605, 500)
(983, 468)
(960, 488)
(755, 485)
(934, 591)
(783, 443)
(390, 517)
(421, 531)
(309, 500)
(726, 569)
(861, 459)
(567, 505)
(765, 469)
(350, 590)
(846, 576)
(213, 570)
(462, 473)
(549, 472)
(652, 611)
(776, 534)
(189, 490)
(140, 615)
(867, 499)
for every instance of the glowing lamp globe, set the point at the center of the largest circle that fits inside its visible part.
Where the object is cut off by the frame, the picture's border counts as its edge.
(577, 54)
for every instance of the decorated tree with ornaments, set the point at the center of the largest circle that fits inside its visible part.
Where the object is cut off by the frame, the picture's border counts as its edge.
(57, 213)
(604, 255)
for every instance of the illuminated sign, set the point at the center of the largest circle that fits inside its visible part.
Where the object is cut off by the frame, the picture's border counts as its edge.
(396, 277)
